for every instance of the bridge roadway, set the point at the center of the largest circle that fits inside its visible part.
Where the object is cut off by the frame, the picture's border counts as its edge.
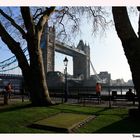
(66, 49)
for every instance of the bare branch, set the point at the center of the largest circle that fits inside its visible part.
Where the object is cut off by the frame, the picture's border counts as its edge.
(13, 23)
(36, 14)
(60, 18)
(13, 46)
(44, 18)
(66, 16)
(7, 38)
(28, 20)
(73, 18)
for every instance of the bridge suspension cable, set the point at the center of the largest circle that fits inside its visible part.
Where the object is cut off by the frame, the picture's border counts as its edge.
(13, 57)
(97, 76)
(9, 64)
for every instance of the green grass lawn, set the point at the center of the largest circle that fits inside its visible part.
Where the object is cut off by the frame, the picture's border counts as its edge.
(17, 118)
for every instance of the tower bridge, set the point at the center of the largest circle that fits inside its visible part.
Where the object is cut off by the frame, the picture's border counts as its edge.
(80, 54)
(49, 45)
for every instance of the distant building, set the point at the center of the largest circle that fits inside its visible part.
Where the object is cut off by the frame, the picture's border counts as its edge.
(130, 83)
(55, 79)
(14, 79)
(118, 82)
(105, 77)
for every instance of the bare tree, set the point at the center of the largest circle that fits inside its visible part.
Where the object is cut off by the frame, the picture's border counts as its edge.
(33, 72)
(130, 42)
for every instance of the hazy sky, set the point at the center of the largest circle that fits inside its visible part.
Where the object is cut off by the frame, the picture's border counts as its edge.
(106, 54)
(105, 50)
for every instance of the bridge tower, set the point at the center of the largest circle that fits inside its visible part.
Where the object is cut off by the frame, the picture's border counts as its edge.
(48, 48)
(81, 63)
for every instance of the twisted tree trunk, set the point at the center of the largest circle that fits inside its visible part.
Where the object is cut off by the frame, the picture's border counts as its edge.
(130, 42)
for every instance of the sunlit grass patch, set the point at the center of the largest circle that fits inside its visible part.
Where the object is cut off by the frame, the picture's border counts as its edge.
(63, 122)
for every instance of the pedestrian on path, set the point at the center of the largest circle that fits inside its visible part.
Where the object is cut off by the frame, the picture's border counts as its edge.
(98, 88)
(7, 92)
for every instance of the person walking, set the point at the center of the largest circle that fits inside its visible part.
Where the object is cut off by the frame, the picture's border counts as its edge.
(8, 89)
(98, 91)
(98, 88)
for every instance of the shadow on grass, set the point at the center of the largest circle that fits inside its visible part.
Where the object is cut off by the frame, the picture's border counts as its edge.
(126, 125)
(7, 108)
(93, 110)
(14, 107)
(98, 112)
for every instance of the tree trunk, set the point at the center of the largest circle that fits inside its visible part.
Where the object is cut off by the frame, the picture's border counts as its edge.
(35, 78)
(132, 52)
(130, 43)
(38, 90)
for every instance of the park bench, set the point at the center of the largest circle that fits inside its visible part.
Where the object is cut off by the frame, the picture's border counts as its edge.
(120, 97)
(83, 97)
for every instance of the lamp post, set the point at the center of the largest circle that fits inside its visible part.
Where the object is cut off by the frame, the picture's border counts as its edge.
(109, 79)
(66, 81)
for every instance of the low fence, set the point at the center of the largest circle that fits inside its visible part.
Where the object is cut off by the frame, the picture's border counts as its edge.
(75, 92)
(106, 90)
(86, 95)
